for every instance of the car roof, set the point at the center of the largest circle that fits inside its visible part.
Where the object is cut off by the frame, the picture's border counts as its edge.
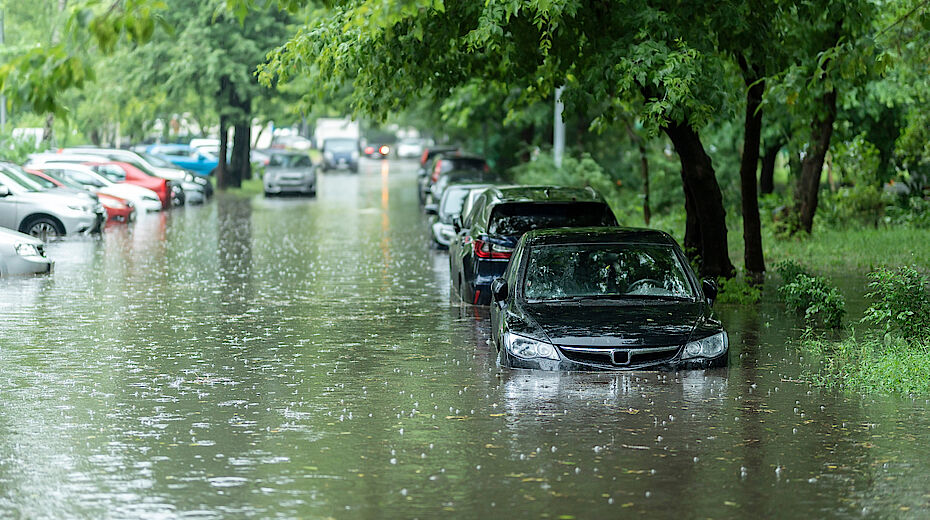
(598, 235)
(506, 194)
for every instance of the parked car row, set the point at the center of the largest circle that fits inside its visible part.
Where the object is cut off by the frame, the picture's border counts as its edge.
(568, 288)
(78, 191)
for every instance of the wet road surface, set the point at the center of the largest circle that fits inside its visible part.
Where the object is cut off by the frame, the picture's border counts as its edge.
(299, 358)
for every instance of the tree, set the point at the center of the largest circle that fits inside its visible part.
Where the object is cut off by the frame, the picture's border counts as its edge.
(651, 52)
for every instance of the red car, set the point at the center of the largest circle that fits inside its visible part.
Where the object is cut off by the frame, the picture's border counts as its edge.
(124, 172)
(118, 210)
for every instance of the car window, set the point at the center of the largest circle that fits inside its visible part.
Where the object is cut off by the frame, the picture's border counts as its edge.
(83, 178)
(452, 201)
(340, 145)
(605, 270)
(42, 181)
(520, 217)
(17, 180)
(112, 172)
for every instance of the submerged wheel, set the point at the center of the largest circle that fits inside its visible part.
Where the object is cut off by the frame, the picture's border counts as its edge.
(43, 227)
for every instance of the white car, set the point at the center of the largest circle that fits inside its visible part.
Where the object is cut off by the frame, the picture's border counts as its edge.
(143, 198)
(22, 254)
(196, 188)
(411, 147)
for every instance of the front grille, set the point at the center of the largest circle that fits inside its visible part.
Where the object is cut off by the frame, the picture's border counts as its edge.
(619, 357)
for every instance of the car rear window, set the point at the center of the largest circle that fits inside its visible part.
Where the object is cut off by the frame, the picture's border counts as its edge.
(516, 218)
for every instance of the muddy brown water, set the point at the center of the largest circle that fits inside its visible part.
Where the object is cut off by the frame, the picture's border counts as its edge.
(295, 358)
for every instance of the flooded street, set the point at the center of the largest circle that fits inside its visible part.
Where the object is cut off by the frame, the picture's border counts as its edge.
(300, 358)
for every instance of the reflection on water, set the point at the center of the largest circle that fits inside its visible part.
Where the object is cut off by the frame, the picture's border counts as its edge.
(300, 358)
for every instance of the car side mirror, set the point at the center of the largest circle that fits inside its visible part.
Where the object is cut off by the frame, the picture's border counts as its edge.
(710, 289)
(431, 209)
(4, 191)
(457, 224)
(499, 289)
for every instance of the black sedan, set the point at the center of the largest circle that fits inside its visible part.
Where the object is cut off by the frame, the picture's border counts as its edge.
(487, 235)
(604, 299)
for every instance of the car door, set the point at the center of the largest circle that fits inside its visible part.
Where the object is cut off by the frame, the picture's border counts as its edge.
(9, 207)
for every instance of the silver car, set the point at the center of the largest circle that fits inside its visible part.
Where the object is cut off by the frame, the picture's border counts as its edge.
(289, 172)
(26, 207)
(454, 199)
(22, 254)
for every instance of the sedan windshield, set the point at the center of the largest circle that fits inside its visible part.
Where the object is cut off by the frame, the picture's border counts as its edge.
(578, 271)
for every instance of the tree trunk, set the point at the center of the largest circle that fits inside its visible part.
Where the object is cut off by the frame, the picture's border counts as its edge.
(752, 228)
(706, 219)
(767, 174)
(241, 166)
(808, 185)
(221, 166)
(644, 170)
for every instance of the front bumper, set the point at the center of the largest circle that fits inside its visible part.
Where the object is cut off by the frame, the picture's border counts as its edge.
(565, 364)
(20, 265)
(83, 222)
(285, 185)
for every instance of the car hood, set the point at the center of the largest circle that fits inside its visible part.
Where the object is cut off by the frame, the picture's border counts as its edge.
(617, 324)
(10, 236)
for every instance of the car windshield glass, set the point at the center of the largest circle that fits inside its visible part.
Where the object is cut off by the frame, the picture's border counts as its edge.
(111, 172)
(157, 161)
(289, 160)
(41, 181)
(17, 180)
(640, 271)
(463, 163)
(340, 145)
(519, 217)
(452, 201)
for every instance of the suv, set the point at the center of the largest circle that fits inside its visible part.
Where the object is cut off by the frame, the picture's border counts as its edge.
(487, 235)
(340, 153)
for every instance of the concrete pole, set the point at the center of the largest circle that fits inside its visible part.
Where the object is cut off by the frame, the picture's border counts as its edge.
(558, 129)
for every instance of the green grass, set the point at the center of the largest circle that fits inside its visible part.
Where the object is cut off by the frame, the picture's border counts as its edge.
(249, 188)
(871, 364)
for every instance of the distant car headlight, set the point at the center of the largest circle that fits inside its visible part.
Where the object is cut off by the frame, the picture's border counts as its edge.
(529, 348)
(328, 155)
(188, 177)
(23, 249)
(709, 347)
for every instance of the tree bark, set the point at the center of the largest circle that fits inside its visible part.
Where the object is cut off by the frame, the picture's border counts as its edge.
(753, 257)
(241, 166)
(808, 185)
(224, 143)
(767, 173)
(706, 227)
(644, 171)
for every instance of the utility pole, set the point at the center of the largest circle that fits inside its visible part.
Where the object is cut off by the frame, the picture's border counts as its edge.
(2, 97)
(558, 129)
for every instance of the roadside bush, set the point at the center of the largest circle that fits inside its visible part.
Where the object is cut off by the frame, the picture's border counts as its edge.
(811, 296)
(902, 303)
(912, 211)
(580, 171)
(737, 290)
(861, 204)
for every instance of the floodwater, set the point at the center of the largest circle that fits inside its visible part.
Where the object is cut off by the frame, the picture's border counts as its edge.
(297, 358)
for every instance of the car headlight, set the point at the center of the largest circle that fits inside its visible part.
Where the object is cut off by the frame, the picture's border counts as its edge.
(529, 348)
(188, 177)
(328, 155)
(709, 347)
(23, 249)
(355, 154)
(80, 207)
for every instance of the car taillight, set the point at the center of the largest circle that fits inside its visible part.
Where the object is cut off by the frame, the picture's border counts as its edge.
(485, 249)
(384, 150)
(369, 150)
(436, 170)
(424, 157)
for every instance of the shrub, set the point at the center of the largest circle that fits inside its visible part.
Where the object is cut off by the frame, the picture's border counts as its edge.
(737, 290)
(811, 296)
(902, 303)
